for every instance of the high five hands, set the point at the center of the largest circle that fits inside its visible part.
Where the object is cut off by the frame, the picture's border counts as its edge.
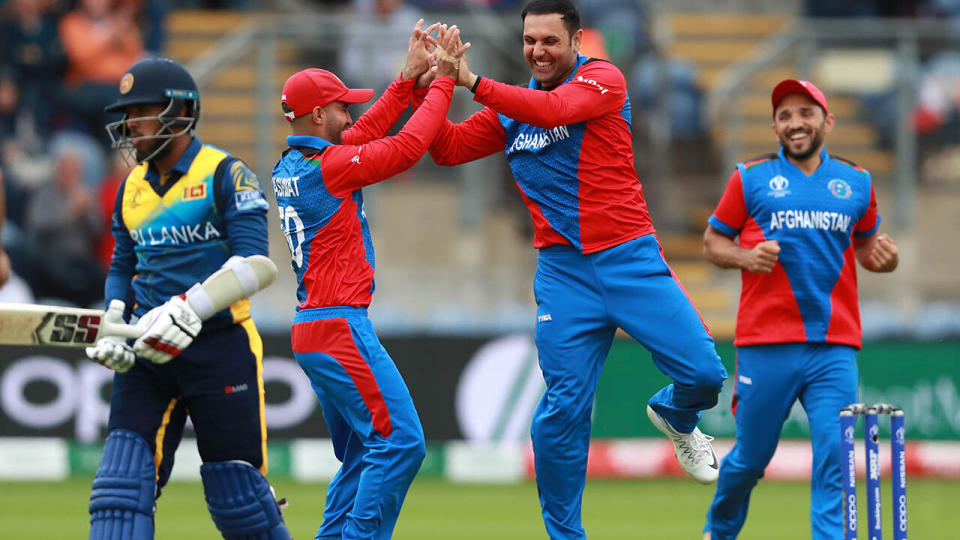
(450, 51)
(424, 51)
(419, 52)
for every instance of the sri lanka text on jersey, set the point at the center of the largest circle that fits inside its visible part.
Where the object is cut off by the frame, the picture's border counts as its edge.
(810, 219)
(174, 234)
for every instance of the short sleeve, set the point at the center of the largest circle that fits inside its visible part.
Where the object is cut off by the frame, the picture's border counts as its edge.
(870, 221)
(731, 211)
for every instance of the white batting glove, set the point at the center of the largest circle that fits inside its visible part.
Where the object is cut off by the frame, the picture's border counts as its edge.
(113, 351)
(170, 328)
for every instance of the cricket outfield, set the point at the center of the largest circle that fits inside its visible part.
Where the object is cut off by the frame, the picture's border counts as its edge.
(439, 510)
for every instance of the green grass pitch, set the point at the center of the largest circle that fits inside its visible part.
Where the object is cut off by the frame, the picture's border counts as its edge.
(438, 510)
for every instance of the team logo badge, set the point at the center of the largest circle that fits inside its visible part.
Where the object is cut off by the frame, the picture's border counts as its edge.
(198, 191)
(778, 186)
(839, 188)
(126, 83)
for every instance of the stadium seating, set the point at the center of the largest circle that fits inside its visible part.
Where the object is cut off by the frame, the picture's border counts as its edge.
(229, 103)
(714, 42)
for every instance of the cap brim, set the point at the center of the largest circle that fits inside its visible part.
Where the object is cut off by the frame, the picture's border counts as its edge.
(792, 86)
(121, 104)
(354, 95)
(785, 88)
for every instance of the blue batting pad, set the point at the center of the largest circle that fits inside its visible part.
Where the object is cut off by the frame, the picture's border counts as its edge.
(240, 502)
(121, 503)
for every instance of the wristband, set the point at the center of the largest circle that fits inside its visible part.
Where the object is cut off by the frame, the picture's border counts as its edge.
(476, 83)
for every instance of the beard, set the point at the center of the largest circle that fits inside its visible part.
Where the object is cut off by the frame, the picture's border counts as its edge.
(815, 143)
(147, 153)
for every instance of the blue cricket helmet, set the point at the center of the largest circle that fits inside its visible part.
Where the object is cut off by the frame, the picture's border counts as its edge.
(155, 81)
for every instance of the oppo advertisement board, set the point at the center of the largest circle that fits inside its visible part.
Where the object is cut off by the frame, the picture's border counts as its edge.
(474, 388)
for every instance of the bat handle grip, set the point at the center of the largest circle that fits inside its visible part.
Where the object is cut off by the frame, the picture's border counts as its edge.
(123, 330)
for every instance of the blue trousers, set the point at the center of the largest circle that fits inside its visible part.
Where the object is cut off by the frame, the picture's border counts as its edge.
(581, 300)
(374, 426)
(217, 380)
(770, 378)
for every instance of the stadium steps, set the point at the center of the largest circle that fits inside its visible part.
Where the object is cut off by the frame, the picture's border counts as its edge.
(712, 42)
(229, 108)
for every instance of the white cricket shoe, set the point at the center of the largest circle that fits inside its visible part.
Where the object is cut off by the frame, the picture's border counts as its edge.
(693, 450)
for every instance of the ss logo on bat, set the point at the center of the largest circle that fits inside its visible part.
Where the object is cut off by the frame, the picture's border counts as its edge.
(69, 328)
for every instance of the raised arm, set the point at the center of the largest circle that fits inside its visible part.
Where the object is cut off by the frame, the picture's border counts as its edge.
(346, 168)
(597, 88)
(384, 113)
(477, 137)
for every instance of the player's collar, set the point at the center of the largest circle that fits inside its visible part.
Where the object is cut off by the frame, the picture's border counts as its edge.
(307, 140)
(824, 158)
(181, 166)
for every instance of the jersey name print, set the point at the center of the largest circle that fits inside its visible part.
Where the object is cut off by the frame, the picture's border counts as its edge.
(810, 219)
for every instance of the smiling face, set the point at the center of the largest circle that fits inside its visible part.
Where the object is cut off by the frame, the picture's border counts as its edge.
(550, 50)
(801, 126)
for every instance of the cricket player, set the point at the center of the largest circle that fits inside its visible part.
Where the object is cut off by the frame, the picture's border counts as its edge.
(375, 429)
(568, 140)
(186, 210)
(803, 218)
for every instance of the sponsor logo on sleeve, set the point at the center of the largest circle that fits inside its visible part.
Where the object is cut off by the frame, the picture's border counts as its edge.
(246, 200)
(594, 83)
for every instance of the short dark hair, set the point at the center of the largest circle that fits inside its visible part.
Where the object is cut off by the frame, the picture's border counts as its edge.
(566, 8)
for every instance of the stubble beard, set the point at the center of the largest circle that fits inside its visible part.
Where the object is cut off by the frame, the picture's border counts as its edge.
(815, 144)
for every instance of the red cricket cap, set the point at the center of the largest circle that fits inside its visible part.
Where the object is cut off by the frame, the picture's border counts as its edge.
(314, 87)
(795, 86)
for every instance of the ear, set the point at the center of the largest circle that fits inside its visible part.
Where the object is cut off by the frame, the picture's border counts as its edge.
(317, 115)
(577, 39)
(828, 123)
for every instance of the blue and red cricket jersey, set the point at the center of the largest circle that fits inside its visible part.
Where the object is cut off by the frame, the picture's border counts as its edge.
(318, 186)
(600, 265)
(571, 152)
(373, 423)
(811, 294)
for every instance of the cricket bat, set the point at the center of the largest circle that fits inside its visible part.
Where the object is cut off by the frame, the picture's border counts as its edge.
(32, 324)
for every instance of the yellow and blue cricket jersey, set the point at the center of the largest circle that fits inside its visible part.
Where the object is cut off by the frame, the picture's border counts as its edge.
(176, 230)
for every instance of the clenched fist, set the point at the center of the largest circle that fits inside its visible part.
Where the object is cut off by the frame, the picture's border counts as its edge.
(763, 257)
